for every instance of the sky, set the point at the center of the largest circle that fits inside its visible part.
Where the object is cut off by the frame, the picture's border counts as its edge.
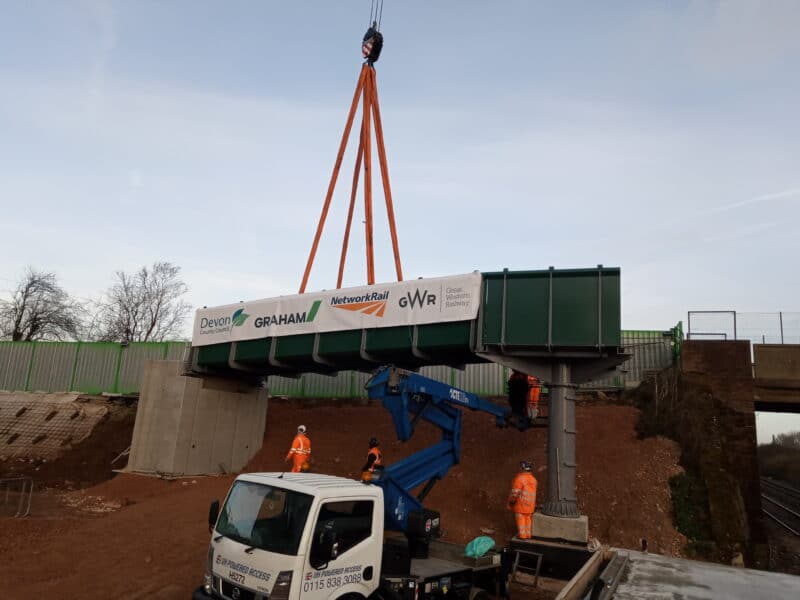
(660, 137)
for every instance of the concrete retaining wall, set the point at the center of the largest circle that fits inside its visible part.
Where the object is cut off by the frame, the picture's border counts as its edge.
(44, 425)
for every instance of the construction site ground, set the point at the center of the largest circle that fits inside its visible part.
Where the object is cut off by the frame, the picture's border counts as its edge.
(97, 534)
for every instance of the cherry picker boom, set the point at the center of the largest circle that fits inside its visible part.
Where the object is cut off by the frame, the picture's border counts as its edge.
(410, 397)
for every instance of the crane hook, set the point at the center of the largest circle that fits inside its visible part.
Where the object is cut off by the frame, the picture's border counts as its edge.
(372, 44)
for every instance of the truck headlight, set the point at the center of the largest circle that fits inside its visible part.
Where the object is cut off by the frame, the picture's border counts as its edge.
(280, 591)
(208, 578)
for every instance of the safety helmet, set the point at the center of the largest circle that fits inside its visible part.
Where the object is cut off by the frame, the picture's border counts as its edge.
(525, 465)
(373, 442)
(301, 429)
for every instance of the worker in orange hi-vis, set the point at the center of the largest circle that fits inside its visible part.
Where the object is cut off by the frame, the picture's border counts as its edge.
(300, 452)
(534, 390)
(522, 500)
(374, 460)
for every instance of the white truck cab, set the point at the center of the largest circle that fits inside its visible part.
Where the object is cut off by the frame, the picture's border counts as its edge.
(292, 536)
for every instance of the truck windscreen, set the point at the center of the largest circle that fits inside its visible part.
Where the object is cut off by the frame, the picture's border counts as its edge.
(265, 517)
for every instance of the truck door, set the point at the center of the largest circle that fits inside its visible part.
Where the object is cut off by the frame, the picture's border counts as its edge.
(349, 528)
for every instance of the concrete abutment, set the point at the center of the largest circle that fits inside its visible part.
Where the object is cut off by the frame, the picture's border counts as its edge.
(195, 426)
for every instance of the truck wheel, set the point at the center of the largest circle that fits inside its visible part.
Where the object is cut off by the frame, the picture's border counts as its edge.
(384, 594)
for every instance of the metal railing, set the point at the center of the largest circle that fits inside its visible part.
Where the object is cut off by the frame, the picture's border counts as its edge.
(22, 488)
(757, 327)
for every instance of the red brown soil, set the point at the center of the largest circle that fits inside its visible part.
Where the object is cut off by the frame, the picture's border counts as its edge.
(155, 543)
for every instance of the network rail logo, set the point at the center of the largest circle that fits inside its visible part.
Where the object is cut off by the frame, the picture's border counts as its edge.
(369, 304)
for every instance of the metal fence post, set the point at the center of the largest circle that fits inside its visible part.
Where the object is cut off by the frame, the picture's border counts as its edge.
(74, 367)
(115, 385)
(30, 367)
(734, 326)
(780, 317)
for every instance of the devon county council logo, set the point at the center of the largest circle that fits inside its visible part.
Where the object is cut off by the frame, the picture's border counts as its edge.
(238, 318)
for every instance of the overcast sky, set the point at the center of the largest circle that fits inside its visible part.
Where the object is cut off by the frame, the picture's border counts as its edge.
(660, 137)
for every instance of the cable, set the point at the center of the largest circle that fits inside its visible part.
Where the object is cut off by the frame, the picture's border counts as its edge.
(380, 17)
(371, 10)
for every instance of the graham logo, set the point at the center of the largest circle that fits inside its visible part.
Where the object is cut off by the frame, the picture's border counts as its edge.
(289, 318)
(369, 304)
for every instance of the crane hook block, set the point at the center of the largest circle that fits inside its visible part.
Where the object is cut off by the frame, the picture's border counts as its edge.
(372, 44)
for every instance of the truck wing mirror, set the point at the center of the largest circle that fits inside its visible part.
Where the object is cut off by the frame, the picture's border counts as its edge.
(213, 515)
(325, 549)
(334, 545)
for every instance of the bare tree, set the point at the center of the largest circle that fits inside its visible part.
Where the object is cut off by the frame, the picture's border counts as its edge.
(145, 306)
(790, 439)
(40, 309)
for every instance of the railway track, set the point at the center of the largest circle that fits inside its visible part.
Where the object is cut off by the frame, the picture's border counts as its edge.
(781, 503)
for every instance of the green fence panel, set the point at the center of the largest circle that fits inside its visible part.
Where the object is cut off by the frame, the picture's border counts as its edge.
(86, 367)
(52, 367)
(15, 361)
(96, 368)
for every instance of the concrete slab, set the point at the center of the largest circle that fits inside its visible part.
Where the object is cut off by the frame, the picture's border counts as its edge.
(651, 576)
(561, 528)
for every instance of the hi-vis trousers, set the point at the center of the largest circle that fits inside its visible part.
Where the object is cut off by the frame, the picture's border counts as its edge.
(524, 525)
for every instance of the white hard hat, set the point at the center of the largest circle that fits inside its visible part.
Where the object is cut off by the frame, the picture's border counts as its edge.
(301, 429)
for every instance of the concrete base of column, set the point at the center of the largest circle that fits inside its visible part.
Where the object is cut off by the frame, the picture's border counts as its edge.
(561, 528)
(193, 425)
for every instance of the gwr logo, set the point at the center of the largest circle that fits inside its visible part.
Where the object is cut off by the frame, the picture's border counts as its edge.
(376, 308)
(417, 299)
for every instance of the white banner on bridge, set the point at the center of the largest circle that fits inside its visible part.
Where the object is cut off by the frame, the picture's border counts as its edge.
(415, 302)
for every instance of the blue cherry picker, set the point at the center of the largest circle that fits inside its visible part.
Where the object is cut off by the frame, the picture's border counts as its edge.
(287, 536)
